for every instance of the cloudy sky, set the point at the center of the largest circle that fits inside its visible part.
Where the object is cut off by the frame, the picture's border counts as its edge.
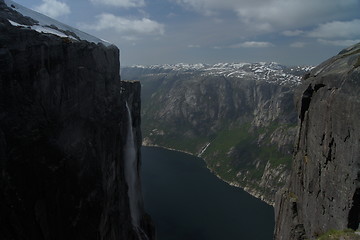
(147, 32)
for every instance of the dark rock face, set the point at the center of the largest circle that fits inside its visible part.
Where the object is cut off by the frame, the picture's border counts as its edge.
(63, 127)
(323, 190)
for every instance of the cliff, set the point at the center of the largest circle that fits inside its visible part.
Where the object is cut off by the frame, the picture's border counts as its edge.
(323, 190)
(65, 122)
(240, 118)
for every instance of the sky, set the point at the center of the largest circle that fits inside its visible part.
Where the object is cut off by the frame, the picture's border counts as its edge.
(147, 32)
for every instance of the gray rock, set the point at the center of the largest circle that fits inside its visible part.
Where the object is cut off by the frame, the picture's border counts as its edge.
(63, 127)
(323, 191)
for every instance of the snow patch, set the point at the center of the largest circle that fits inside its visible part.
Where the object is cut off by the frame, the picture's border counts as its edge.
(262, 71)
(47, 25)
(42, 29)
(17, 24)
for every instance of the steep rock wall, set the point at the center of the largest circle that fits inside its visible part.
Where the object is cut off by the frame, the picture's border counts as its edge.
(63, 127)
(323, 190)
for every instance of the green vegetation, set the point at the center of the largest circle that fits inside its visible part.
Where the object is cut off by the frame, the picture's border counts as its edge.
(275, 157)
(221, 155)
(347, 234)
(183, 143)
(293, 196)
(236, 150)
(173, 137)
(227, 139)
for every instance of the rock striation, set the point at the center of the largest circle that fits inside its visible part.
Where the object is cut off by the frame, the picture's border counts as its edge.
(63, 130)
(240, 118)
(323, 192)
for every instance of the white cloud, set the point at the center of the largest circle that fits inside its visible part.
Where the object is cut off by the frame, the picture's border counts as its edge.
(209, 5)
(193, 46)
(298, 44)
(339, 43)
(296, 13)
(130, 38)
(120, 3)
(280, 14)
(53, 8)
(337, 29)
(252, 44)
(337, 33)
(107, 21)
(293, 33)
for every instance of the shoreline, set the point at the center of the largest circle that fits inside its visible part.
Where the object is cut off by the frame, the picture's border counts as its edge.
(253, 193)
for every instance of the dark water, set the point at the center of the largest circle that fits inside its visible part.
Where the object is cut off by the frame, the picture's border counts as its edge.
(187, 202)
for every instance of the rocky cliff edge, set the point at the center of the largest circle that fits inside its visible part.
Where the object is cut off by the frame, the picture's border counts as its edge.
(64, 126)
(323, 191)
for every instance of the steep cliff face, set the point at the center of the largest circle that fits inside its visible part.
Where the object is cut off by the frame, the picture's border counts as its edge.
(64, 126)
(323, 190)
(240, 118)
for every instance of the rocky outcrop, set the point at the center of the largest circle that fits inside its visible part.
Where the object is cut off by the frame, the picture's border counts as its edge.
(63, 130)
(323, 192)
(242, 122)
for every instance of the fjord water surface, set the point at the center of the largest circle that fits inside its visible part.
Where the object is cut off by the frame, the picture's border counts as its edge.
(187, 202)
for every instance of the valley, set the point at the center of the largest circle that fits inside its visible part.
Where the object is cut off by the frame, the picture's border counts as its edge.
(239, 117)
(77, 155)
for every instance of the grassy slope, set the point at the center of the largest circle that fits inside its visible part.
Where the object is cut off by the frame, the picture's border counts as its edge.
(237, 150)
(347, 234)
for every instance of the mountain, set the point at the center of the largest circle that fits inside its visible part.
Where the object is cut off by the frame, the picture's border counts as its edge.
(323, 191)
(239, 117)
(69, 134)
(268, 72)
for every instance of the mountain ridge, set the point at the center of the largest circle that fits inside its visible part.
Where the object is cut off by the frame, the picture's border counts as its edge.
(265, 71)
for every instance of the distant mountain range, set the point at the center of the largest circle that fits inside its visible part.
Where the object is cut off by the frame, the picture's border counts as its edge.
(261, 71)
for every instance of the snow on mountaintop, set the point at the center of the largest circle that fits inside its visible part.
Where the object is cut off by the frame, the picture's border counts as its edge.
(48, 25)
(262, 71)
(174, 67)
